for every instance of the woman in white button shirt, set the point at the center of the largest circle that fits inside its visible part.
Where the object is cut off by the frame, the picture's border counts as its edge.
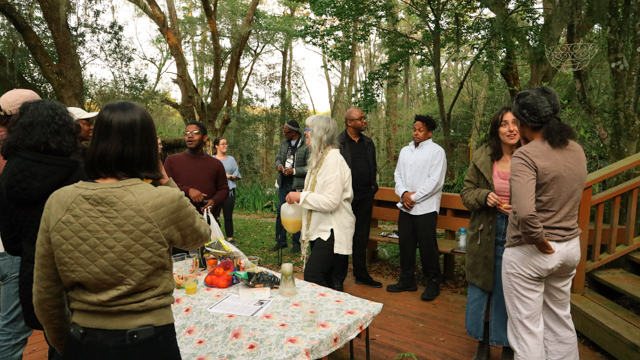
(327, 220)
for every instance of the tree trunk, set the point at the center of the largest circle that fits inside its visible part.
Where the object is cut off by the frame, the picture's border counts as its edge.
(192, 102)
(325, 67)
(623, 39)
(283, 82)
(65, 75)
(353, 64)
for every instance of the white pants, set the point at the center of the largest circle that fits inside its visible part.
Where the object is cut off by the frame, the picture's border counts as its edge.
(537, 294)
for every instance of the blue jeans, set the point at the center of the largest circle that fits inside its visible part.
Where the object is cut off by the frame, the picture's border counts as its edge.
(281, 233)
(14, 333)
(477, 299)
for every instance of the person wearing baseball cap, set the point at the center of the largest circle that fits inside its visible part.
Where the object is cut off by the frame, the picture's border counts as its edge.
(85, 120)
(14, 333)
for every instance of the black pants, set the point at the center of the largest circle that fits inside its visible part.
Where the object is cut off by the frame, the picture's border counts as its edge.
(162, 345)
(325, 267)
(419, 230)
(227, 212)
(362, 210)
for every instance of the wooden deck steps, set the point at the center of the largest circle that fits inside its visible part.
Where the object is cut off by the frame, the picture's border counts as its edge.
(612, 327)
(620, 280)
(634, 257)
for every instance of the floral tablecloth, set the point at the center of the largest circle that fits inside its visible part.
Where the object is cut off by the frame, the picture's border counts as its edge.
(311, 325)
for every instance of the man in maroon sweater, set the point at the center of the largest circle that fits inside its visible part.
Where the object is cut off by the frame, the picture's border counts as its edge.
(200, 176)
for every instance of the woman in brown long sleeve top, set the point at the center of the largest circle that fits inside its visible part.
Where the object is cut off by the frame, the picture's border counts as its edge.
(548, 175)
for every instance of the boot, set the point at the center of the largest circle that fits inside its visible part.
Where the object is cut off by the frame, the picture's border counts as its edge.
(507, 353)
(483, 352)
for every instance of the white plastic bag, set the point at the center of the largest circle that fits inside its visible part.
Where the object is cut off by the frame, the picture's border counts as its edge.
(216, 233)
(218, 245)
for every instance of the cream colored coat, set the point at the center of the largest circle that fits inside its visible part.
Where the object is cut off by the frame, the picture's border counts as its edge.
(331, 204)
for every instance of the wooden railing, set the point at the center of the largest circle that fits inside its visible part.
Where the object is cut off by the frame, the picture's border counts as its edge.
(618, 240)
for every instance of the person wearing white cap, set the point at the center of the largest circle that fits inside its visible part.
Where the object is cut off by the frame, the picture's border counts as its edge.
(14, 333)
(85, 120)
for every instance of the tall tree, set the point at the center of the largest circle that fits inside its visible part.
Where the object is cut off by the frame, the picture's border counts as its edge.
(194, 105)
(623, 55)
(60, 64)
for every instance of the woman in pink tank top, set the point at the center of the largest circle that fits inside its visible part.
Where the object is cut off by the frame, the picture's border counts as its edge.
(486, 195)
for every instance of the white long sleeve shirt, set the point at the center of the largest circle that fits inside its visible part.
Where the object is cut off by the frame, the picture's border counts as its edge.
(423, 170)
(331, 204)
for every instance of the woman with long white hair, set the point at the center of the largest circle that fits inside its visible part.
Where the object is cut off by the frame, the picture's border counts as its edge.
(327, 220)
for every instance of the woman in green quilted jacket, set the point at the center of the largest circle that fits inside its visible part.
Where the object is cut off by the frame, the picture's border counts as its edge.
(103, 270)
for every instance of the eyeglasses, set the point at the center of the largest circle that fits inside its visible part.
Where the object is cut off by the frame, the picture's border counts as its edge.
(361, 118)
(194, 132)
(307, 129)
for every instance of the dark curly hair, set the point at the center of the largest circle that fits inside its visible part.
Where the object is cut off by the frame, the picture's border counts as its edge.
(43, 127)
(539, 109)
(495, 144)
(124, 144)
(427, 120)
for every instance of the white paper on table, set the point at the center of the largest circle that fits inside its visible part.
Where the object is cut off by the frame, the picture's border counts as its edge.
(231, 304)
(250, 293)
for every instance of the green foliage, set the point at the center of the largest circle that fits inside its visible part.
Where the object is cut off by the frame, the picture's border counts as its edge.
(256, 199)
(406, 356)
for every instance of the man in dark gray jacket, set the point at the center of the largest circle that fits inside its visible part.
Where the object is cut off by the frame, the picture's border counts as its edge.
(291, 164)
(359, 152)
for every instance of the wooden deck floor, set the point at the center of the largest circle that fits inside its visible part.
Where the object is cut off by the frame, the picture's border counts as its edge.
(430, 330)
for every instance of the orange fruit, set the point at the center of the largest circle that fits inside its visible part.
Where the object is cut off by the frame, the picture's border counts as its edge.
(212, 262)
(218, 271)
(224, 281)
(210, 280)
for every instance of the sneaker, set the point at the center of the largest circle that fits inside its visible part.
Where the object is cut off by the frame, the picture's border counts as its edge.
(295, 249)
(431, 292)
(370, 283)
(400, 287)
(278, 247)
(232, 242)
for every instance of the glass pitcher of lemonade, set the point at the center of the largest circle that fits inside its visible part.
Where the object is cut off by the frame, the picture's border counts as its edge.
(291, 217)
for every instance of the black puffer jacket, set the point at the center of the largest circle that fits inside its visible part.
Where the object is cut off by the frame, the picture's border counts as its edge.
(26, 183)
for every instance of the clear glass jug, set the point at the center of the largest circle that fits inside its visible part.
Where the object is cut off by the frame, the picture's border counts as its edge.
(287, 281)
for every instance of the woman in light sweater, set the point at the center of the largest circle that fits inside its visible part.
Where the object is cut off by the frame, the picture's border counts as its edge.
(327, 220)
(103, 284)
(548, 174)
(221, 146)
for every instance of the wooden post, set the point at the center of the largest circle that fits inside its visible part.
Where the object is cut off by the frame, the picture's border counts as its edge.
(584, 215)
(615, 219)
(449, 259)
(631, 217)
(595, 251)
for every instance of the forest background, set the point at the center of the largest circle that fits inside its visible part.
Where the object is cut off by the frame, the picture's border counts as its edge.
(231, 65)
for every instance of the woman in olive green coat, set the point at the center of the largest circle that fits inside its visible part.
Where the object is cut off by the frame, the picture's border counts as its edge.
(486, 195)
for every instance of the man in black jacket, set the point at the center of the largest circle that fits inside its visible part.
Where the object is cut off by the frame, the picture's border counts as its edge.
(359, 152)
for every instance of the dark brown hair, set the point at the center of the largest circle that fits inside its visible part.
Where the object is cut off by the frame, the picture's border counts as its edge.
(495, 144)
(124, 144)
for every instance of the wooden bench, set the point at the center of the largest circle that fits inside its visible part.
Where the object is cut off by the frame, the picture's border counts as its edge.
(452, 216)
